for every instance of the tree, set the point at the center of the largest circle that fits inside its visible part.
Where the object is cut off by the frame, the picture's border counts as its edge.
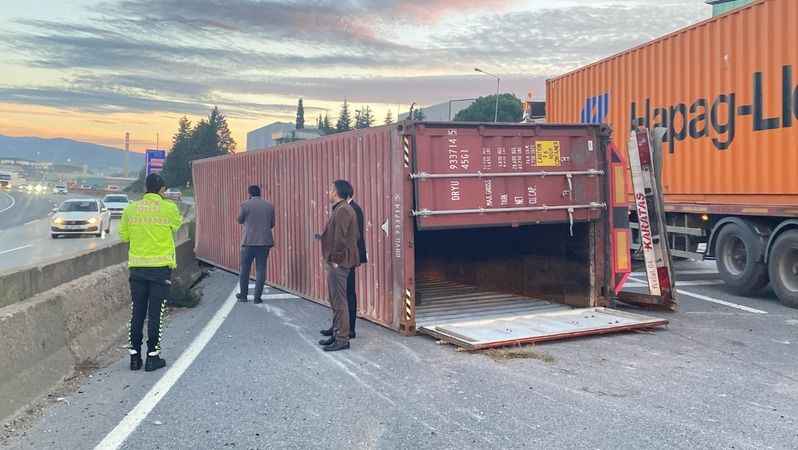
(326, 125)
(389, 118)
(483, 110)
(226, 144)
(344, 119)
(418, 114)
(364, 117)
(177, 170)
(300, 116)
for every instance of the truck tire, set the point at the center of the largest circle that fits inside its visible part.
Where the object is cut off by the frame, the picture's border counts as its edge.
(783, 268)
(737, 252)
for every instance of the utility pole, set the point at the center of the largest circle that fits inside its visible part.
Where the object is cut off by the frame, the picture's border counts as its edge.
(127, 150)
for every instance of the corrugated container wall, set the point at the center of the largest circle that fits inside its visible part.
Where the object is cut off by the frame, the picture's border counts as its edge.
(535, 195)
(296, 178)
(726, 88)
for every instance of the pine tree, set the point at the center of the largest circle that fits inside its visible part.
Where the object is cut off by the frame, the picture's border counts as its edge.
(359, 119)
(389, 118)
(368, 117)
(300, 116)
(176, 169)
(225, 143)
(326, 125)
(344, 119)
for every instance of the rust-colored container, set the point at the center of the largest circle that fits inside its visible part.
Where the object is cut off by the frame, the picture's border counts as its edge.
(727, 90)
(536, 193)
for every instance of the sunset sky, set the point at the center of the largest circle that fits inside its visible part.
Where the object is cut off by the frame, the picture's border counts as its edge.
(92, 70)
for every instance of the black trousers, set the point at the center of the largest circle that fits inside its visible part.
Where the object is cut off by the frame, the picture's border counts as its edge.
(149, 289)
(260, 254)
(351, 298)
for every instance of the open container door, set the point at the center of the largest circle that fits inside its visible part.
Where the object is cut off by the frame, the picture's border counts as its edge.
(513, 233)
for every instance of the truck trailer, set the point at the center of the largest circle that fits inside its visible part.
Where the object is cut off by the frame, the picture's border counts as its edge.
(725, 90)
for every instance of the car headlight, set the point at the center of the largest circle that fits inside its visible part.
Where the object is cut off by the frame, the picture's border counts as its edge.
(58, 221)
(93, 220)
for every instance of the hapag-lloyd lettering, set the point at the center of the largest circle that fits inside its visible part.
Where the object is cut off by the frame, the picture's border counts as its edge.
(718, 117)
(644, 221)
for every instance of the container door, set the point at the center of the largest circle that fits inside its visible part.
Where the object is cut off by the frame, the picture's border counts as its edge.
(539, 327)
(502, 175)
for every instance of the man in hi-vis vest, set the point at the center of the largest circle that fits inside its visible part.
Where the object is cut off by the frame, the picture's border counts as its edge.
(149, 226)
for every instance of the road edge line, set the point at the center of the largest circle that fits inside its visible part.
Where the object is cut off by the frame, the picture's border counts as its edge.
(136, 416)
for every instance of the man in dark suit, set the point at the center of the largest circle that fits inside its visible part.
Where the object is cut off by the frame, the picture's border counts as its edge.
(257, 216)
(351, 283)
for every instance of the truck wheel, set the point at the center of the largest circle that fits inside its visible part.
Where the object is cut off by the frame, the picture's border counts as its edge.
(737, 251)
(783, 268)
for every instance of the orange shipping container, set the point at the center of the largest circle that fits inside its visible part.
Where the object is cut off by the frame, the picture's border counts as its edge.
(727, 91)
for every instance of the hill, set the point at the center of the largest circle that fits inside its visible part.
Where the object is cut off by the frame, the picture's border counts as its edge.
(68, 151)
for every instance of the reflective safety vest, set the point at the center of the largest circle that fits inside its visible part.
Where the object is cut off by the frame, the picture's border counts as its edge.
(149, 226)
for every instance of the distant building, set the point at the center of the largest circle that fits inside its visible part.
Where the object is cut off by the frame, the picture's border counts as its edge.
(441, 112)
(295, 135)
(722, 6)
(264, 137)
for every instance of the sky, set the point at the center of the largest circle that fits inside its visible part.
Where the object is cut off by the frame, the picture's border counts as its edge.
(92, 70)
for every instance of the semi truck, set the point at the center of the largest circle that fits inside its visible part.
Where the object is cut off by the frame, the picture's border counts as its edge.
(725, 90)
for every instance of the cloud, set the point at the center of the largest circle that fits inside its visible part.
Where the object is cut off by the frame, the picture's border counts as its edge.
(109, 101)
(179, 56)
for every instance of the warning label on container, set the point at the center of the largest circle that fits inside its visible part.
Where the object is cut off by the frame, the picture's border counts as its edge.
(547, 153)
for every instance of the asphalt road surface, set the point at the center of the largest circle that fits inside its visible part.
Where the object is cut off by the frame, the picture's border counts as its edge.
(25, 233)
(252, 377)
(17, 208)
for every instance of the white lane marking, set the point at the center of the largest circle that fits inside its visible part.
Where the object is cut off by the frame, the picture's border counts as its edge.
(711, 299)
(683, 272)
(13, 202)
(128, 425)
(15, 249)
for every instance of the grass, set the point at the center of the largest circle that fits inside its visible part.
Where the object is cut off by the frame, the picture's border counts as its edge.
(519, 352)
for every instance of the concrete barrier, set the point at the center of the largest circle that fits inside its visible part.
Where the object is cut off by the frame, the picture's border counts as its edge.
(67, 323)
(29, 281)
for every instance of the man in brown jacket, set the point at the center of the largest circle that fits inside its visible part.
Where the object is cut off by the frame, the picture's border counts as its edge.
(339, 247)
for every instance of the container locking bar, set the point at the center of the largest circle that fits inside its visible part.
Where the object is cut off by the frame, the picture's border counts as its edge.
(569, 208)
(568, 174)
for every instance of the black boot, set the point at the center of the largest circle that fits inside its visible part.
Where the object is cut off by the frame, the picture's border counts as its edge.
(242, 298)
(326, 342)
(336, 346)
(327, 332)
(154, 363)
(135, 361)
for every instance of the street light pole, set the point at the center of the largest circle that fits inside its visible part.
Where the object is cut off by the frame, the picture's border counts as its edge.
(496, 112)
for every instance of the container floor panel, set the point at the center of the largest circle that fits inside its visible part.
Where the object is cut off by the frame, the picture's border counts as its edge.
(441, 302)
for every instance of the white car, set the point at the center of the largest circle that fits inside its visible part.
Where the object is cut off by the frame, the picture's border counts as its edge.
(60, 189)
(113, 188)
(173, 194)
(80, 216)
(116, 204)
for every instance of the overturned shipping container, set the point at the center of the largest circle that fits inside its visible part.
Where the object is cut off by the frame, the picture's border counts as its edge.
(465, 225)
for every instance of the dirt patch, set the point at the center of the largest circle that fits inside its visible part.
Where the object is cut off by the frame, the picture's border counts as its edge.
(519, 352)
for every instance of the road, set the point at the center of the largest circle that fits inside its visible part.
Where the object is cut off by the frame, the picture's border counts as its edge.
(24, 232)
(253, 377)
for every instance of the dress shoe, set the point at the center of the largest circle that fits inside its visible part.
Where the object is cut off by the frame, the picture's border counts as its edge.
(154, 363)
(135, 361)
(335, 346)
(327, 332)
(257, 301)
(326, 342)
(242, 298)
(352, 335)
